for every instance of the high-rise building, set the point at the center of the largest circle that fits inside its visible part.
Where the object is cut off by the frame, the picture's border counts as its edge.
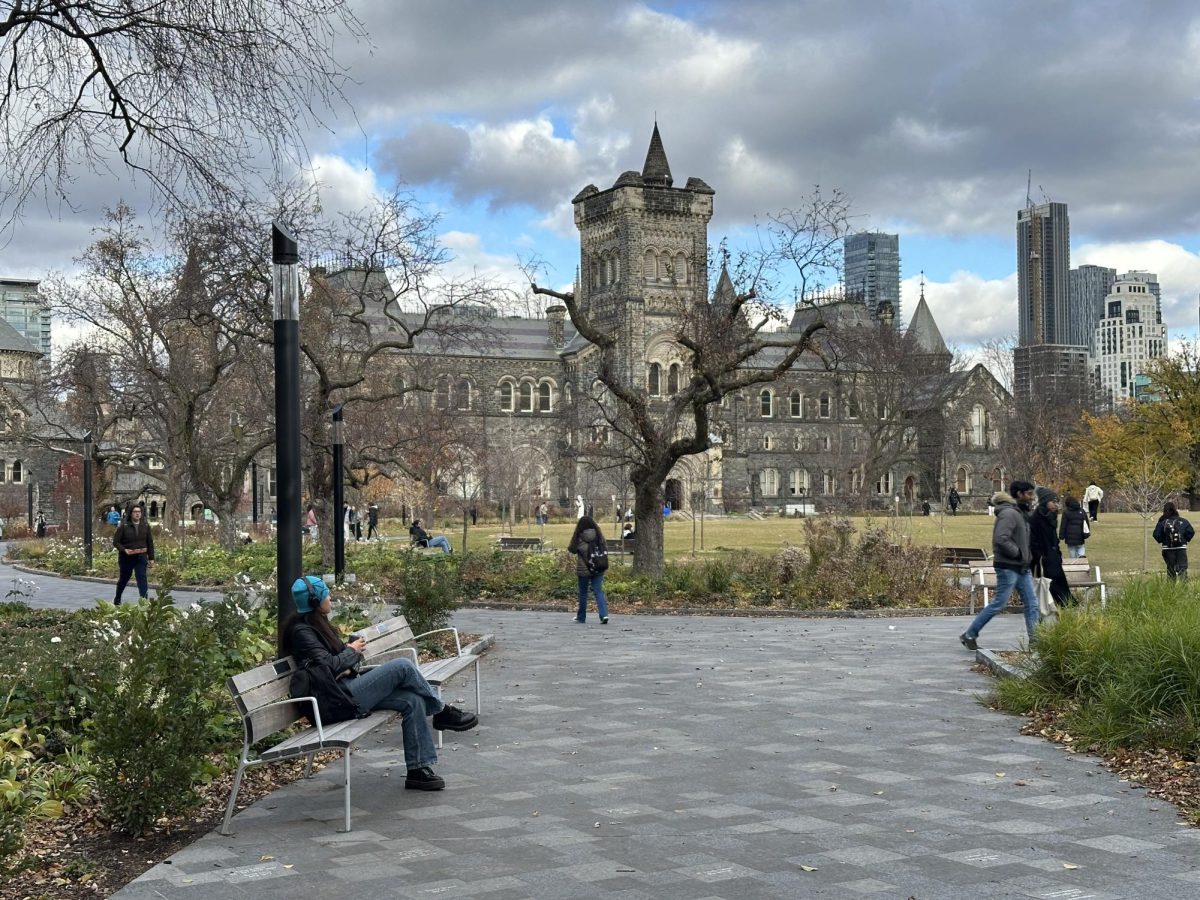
(872, 269)
(1089, 286)
(1141, 276)
(1127, 338)
(22, 307)
(1043, 282)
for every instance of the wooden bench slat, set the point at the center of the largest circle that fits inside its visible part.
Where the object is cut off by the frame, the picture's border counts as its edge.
(440, 670)
(338, 736)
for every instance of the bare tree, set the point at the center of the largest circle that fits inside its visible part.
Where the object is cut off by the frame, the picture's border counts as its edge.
(997, 355)
(729, 343)
(170, 88)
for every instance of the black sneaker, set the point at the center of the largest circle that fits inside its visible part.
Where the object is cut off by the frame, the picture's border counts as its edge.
(968, 642)
(604, 620)
(424, 779)
(452, 718)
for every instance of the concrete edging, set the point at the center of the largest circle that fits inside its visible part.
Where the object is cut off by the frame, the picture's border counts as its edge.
(95, 579)
(763, 612)
(998, 666)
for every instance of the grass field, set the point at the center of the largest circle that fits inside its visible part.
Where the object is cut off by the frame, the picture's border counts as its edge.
(1115, 544)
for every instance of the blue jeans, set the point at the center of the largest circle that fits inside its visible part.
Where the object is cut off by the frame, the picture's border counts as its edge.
(1076, 552)
(1006, 580)
(597, 583)
(131, 565)
(399, 685)
(441, 542)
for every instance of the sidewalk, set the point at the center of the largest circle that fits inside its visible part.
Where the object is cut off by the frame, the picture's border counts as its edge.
(670, 757)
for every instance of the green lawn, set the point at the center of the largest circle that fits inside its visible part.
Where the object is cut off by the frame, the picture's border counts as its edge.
(1115, 544)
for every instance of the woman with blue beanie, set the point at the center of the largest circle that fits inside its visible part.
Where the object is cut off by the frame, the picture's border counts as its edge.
(397, 685)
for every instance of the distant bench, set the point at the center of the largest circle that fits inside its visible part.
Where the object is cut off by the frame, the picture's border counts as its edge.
(261, 696)
(1081, 576)
(962, 557)
(512, 544)
(623, 546)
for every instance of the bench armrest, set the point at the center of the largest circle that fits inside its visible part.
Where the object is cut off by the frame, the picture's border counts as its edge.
(369, 666)
(310, 700)
(457, 642)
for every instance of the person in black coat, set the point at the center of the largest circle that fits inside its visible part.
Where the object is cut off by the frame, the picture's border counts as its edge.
(1174, 532)
(135, 551)
(1043, 545)
(1074, 529)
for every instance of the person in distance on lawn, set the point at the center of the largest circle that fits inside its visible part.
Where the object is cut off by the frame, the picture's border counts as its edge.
(1074, 529)
(1011, 558)
(1174, 532)
(397, 685)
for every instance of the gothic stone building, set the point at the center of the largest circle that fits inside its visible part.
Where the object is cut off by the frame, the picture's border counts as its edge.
(791, 443)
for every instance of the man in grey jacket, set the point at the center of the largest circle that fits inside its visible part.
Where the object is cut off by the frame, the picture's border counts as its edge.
(1011, 558)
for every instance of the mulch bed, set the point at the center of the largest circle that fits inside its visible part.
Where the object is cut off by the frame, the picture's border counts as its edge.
(79, 855)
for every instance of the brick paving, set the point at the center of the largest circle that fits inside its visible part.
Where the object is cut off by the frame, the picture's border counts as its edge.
(701, 758)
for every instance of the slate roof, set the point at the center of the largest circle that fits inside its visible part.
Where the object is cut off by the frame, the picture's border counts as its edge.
(923, 330)
(12, 340)
(656, 170)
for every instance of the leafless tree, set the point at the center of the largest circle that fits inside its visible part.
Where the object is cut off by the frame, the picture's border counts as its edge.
(997, 355)
(729, 342)
(170, 89)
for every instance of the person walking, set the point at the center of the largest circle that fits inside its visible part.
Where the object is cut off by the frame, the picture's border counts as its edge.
(112, 517)
(41, 525)
(372, 521)
(1174, 532)
(953, 500)
(1044, 548)
(1074, 528)
(1092, 496)
(310, 520)
(591, 562)
(1012, 558)
(135, 551)
(397, 685)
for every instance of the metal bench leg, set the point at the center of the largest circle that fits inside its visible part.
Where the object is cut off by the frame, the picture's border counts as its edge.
(308, 768)
(237, 784)
(478, 702)
(346, 790)
(441, 734)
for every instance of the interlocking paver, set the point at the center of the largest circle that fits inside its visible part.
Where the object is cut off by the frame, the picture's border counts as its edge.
(694, 758)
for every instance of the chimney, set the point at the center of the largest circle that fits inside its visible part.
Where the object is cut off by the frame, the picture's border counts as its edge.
(556, 316)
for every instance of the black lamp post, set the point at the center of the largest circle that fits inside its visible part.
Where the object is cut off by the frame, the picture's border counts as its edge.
(87, 501)
(339, 513)
(254, 492)
(29, 478)
(285, 284)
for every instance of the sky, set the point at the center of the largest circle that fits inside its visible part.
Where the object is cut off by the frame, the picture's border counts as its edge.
(928, 115)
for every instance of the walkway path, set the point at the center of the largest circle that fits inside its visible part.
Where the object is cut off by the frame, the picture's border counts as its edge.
(55, 592)
(666, 757)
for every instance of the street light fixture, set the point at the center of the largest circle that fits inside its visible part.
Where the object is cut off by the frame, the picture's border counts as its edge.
(87, 501)
(285, 289)
(339, 500)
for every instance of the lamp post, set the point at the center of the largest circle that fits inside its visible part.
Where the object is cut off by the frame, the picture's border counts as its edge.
(339, 513)
(87, 501)
(254, 492)
(285, 289)
(29, 479)
(68, 514)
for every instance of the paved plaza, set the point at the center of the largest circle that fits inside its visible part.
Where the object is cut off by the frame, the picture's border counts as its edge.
(668, 757)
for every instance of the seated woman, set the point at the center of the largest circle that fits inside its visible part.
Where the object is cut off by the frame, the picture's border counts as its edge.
(397, 685)
(420, 538)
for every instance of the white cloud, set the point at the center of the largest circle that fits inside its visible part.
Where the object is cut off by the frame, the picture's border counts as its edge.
(1178, 271)
(344, 187)
(968, 309)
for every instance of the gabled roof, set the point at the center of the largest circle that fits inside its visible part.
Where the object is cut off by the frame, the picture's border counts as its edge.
(656, 170)
(923, 330)
(13, 341)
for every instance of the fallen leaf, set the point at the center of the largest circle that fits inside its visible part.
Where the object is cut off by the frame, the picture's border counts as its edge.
(265, 858)
(1070, 866)
(999, 774)
(291, 866)
(804, 868)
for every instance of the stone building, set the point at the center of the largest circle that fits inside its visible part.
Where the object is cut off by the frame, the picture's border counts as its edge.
(523, 383)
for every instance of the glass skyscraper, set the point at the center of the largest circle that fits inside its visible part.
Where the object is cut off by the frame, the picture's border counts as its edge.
(1089, 286)
(22, 307)
(873, 269)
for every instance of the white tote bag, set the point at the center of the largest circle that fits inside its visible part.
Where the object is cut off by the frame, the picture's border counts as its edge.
(1046, 604)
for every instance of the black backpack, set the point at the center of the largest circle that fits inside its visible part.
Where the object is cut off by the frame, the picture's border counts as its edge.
(1173, 533)
(597, 557)
(334, 702)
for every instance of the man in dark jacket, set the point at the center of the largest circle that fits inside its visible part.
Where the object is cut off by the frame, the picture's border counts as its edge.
(1011, 557)
(135, 551)
(1043, 545)
(372, 521)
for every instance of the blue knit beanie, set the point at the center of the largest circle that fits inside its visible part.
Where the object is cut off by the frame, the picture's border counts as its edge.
(306, 601)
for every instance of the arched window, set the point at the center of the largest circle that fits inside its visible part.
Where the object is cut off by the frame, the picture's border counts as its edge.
(609, 273)
(798, 482)
(979, 426)
(597, 271)
(654, 380)
(16, 471)
(673, 379)
(828, 482)
(768, 481)
(764, 403)
(852, 405)
(545, 398)
(650, 266)
(681, 273)
(962, 480)
(462, 394)
(506, 396)
(567, 392)
(3, 468)
(884, 484)
(154, 509)
(616, 262)
(441, 396)
(796, 405)
(767, 441)
(997, 477)
(824, 406)
(526, 397)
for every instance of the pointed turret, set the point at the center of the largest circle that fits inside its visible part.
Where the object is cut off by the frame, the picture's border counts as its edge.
(656, 170)
(923, 331)
(725, 294)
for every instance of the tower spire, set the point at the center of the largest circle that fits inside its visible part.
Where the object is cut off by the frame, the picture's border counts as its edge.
(656, 170)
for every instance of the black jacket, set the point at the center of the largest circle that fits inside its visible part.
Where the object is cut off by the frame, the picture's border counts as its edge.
(1071, 527)
(1010, 534)
(418, 535)
(134, 537)
(1043, 536)
(1186, 531)
(305, 645)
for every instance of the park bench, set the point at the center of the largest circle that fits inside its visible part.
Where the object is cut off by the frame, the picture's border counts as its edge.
(961, 557)
(511, 544)
(1081, 577)
(623, 546)
(262, 701)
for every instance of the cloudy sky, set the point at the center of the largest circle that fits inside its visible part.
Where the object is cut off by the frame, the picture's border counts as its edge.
(927, 114)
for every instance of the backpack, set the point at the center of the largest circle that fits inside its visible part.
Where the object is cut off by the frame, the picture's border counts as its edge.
(1173, 533)
(334, 702)
(596, 558)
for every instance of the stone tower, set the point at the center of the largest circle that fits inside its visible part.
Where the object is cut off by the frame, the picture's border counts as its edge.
(643, 249)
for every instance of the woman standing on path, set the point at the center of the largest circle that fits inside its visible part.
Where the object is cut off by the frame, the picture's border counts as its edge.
(135, 551)
(591, 562)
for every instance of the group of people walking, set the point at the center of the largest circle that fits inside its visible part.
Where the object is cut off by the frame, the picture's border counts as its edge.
(1026, 544)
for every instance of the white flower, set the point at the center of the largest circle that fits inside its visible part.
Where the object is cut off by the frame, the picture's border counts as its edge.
(195, 607)
(56, 640)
